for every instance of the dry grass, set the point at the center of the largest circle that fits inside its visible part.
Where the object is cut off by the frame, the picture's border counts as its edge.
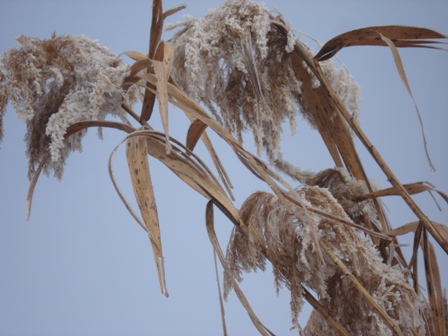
(243, 63)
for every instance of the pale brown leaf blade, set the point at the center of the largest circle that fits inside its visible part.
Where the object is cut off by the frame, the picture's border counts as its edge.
(195, 131)
(404, 229)
(437, 287)
(412, 189)
(137, 67)
(442, 229)
(221, 301)
(154, 41)
(135, 55)
(98, 123)
(411, 227)
(392, 37)
(413, 262)
(156, 26)
(402, 36)
(434, 287)
(168, 56)
(160, 66)
(144, 194)
(162, 95)
(402, 73)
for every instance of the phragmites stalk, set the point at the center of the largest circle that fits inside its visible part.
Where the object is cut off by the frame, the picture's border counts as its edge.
(237, 61)
(328, 241)
(283, 236)
(56, 83)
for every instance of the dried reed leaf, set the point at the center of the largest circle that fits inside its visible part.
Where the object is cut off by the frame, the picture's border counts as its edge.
(195, 131)
(437, 288)
(403, 77)
(168, 55)
(411, 227)
(154, 40)
(162, 94)
(72, 129)
(135, 55)
(404, 229)
(136, 68)
(161, 66)
(402, 36)
(443, 230)
(209, 221)
(413, 263)
(156, 27)
(144, 194)
(434, 287)
(412, 188)
(221, 301)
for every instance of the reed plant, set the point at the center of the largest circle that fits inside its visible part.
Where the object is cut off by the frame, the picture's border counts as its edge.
(241, 69)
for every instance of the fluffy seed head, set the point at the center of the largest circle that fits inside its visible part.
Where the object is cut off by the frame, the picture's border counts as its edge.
(55, 83)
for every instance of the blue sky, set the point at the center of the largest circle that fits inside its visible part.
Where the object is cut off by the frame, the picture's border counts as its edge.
(81, 266)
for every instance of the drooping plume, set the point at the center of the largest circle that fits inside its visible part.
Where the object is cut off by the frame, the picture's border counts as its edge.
(55, 83)
(237, 61)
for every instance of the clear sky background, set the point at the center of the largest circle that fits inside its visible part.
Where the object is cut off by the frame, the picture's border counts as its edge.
(82, 266)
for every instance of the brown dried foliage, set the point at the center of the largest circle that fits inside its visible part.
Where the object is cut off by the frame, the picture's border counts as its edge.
(244, 64)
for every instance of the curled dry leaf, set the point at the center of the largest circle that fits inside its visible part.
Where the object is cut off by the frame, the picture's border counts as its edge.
(402, 36)
(194, 133)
